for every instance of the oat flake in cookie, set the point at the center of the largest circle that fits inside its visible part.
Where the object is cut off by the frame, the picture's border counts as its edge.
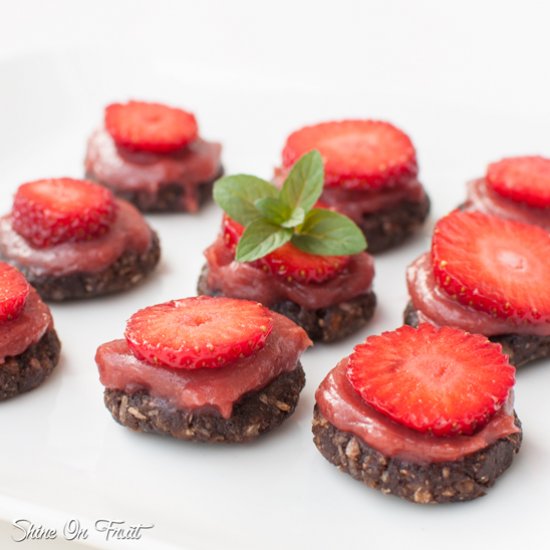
(29, 346)
(425, 414)
(73, 239)
(151, 155)
(204, 369)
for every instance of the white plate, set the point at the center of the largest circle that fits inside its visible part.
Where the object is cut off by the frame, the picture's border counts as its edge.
(64, 457)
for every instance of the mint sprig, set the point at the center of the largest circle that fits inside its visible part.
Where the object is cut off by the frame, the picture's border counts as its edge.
(273, 217)
(238, 195)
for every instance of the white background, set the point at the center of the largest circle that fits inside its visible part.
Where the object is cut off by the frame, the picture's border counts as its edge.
(491, 54)
(468, 80)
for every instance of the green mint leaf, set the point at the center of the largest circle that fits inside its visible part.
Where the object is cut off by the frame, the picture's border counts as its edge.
(237, 196)
(304, 184)
(259, 239)
(273, 210)
(327, 233)
(296, 218)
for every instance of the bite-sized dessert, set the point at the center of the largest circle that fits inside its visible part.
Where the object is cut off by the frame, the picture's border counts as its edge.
(371, 176)
(74, 239)
(29, 346)
(276, 248)
(486, 275)
(152, 155)
(516, 188)
(205, 369)
(426, 414)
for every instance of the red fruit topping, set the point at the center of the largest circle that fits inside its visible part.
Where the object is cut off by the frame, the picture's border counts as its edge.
(14, 290)
(53, 211)
(439, 380)
(150, 127)
(232, 232)
(498, 266)
(202, 332)
(522, 179)
(289, 262)
(358, 154)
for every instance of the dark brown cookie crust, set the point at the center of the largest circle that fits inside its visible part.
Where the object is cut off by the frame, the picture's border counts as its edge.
(388, 228)
(520, 348)
(255, 413)
(123, 274)
(461, 480)
(322, 325)
(21, 373)
(169, 197)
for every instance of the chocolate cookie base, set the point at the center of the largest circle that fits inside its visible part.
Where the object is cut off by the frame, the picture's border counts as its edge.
(254, 414)
(520, 348)
(126, 272)
(428, 483)
(23, 372)
(322, 325)
(388, 228)
(170, 197)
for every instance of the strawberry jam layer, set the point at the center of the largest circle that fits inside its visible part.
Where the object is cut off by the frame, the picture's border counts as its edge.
(217, 388)
(123, 170)
(483, 199)
(28, 328)
(436, 307)
(343, 407)
(129, 232)
(246, 281)
(356, 203)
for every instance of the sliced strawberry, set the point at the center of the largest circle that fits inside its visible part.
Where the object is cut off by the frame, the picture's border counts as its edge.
(498, 266)
(202, 332)
(232, 232)
(522, 179)
(439, 380)
(151, 127)
(358, 154)
(53, 211)
(289, 262)
(14, 290)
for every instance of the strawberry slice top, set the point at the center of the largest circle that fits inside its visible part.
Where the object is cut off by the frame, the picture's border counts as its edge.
(150, 127)
(14, 290)
(201, 332)
(53, 211)
(358, 154)
(522, 179)
(498, 266)
(232, 232)
(289, 262)
(438, 380)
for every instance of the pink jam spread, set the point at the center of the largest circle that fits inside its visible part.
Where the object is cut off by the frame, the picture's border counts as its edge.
(245, 281)
(28, 328)
(128, 232)
(357, 203)
(343, 407)
(123, 170)
(483, 199)
(436, 307)
(218, 388)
